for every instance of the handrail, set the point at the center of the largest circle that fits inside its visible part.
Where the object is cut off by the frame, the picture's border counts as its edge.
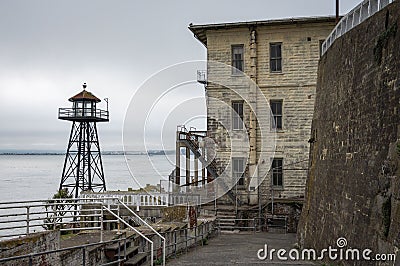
(151, 228)
(144, 199)
(135, 230)
(254, 227)
(69, 215)
(357, 15)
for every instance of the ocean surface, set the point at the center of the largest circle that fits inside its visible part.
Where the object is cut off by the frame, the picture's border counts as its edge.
(33, 177)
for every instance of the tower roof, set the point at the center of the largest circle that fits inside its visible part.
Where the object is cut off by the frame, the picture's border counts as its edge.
(84, 95)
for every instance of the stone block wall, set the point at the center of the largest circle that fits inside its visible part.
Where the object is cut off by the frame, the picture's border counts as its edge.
(295, 86)
(353, 183)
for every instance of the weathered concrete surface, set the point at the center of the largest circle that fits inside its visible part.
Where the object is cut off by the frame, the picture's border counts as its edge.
(354, 177)
(238, 249)
(36, 242)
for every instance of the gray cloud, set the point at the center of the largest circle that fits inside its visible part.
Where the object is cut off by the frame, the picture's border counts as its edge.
(49, 48)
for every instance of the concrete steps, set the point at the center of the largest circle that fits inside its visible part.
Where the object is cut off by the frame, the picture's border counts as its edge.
(137, 260)
(226, 219)
(114, 252)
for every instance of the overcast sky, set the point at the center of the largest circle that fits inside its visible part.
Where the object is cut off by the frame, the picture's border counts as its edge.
(49, 48)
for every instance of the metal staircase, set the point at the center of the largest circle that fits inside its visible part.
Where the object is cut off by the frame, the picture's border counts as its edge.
(189, 140)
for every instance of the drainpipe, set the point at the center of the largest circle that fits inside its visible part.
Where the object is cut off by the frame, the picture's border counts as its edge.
(253, 169)
(337, 11)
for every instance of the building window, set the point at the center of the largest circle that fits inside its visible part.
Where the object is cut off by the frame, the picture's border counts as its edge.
(275, 53)
(277, 172)
(237, 115)
(238, 168)
(237, 59)
(276, 109)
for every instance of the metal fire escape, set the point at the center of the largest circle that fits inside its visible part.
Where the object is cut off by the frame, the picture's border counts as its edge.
(190, 140)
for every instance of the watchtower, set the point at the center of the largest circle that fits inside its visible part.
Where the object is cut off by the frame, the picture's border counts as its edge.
(83, 167)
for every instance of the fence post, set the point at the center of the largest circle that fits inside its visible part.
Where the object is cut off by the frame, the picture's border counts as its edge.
(175, 243)
(119, 250)
(101, 223)
(195, 235)
(30, 261)
(186, 241)
(286, 225)
(202, 234)
(27, 220)
(83, 256)
(54, 215)
(125, 247)
(118, 224)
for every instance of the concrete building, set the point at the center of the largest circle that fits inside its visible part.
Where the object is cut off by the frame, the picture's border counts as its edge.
(281, 58)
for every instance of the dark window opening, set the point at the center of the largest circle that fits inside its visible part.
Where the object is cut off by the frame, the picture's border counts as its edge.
(238, 169)
(275, 57)
(276, 109)
(237, 115)
(237, 59)
(277, 172)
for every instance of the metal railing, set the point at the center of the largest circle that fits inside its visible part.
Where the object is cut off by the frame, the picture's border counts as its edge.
(357, 15)
(20, 217)
(151, 228)
(202, 233)
(25, 217)
(144, 199)
(82, 113)
(137, 232)
(250, 224)
(277, 222)
(253, 224)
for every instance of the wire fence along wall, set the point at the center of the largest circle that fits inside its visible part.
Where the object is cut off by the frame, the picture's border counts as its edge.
(357, 15)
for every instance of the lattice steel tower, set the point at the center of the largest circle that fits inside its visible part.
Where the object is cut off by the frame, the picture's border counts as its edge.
(83, 167)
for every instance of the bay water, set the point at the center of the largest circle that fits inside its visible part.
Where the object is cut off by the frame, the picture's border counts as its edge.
(37, 177)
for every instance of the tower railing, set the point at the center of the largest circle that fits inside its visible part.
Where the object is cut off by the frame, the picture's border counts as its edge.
(82, 113)
(357, 15)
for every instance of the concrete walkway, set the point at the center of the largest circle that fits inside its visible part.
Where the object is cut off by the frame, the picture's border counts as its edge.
(238, 249)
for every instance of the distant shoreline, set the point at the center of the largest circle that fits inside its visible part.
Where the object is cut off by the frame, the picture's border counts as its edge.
(150, 153)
